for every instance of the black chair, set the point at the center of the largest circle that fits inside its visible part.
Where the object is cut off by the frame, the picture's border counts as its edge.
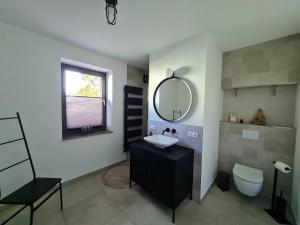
(31, 192)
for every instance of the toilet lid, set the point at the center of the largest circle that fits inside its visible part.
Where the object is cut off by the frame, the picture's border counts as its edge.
(247, 173)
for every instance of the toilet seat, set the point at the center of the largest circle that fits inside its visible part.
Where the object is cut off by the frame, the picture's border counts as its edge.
(248, 174)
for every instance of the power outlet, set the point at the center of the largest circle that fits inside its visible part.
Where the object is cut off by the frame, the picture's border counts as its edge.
(153, 127)
(193, 134)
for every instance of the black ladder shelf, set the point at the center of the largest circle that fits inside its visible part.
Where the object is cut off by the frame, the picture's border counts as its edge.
(28, 194)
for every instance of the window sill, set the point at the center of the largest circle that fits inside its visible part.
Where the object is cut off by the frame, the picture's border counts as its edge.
(75, 136)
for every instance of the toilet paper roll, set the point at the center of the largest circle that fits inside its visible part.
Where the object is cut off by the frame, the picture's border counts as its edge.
(282, 167)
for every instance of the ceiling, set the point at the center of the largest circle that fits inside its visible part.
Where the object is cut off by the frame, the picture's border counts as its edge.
(146, 26)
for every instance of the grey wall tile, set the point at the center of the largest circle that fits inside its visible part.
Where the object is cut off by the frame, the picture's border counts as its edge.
(236, 129)
(275, 144)
(250, 153)
(256, 62)
(294, 74)
(226, 83)
(268, 63)
(232, 160)
(280, 141)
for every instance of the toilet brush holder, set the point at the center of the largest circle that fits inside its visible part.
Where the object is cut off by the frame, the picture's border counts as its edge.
(223, 181)
(278, 205)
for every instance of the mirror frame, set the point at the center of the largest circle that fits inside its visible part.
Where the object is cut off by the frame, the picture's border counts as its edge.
(190, 103)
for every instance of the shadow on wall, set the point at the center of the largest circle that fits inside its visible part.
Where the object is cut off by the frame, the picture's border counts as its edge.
(182, 71)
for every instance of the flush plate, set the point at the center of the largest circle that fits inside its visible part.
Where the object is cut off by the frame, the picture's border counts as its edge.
(251, 134)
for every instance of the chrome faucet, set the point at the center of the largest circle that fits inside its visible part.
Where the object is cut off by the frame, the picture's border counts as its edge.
(166, 130)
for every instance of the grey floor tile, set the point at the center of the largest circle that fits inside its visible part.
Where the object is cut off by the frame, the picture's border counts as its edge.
(149, 212)
(95, 210)
(88, 202)
(21, 219)
(120, 219)
(124, 198)
(79, 190)
(49, 213)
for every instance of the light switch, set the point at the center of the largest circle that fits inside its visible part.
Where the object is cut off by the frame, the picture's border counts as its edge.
(251, 134)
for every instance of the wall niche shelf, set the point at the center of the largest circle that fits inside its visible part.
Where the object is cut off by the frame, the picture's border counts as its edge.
(259, 86)
(273, 88)
(277, 103)
(249, 125)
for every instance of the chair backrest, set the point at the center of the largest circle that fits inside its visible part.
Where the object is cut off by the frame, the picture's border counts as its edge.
(19, 139)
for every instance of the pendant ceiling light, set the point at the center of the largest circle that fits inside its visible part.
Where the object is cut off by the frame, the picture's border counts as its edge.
(111, 11)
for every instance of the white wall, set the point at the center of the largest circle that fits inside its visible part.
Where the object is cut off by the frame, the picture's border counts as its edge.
(296, 178)
(187, 59)
(199, 61)
(30, 82)
(212, 115)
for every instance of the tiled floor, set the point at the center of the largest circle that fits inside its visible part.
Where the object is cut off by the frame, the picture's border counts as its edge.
(89, 202)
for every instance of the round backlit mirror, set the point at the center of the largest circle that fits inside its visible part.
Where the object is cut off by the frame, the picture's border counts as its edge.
(172, 99)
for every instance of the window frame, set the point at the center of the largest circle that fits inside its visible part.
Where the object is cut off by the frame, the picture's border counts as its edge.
(77, 131)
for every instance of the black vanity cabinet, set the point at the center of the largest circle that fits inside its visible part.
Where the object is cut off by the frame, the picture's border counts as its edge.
(166, 173)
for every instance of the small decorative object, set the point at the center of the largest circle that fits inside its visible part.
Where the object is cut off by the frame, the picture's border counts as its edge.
(87, 130)
(232, 117)
(145, 79)
(259, 118)
(169, 72)
(241, 121)
(111, 11)
(83, 130)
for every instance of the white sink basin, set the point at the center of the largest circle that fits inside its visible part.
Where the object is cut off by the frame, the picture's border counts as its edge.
(161, 141)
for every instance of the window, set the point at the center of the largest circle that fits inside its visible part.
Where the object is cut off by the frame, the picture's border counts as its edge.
(83, 101)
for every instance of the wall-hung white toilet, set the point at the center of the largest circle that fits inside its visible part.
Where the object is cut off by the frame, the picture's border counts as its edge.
(247, 180)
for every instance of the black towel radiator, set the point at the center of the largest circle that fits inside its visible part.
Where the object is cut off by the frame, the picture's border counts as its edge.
(133, 114)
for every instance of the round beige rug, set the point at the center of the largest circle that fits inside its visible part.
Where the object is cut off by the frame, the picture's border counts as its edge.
(117, 177)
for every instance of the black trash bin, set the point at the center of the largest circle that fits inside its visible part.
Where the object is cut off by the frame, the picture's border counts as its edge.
(223, 181)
